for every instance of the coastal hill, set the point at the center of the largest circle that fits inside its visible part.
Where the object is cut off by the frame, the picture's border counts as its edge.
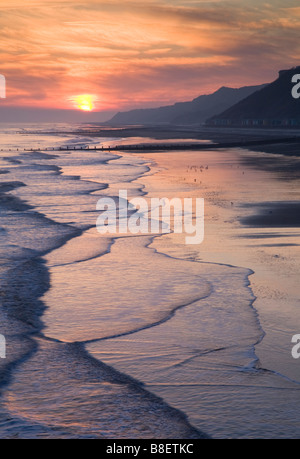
(196, 111)
(271, 106)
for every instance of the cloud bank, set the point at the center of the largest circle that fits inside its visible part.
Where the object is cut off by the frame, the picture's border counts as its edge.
(132, 54)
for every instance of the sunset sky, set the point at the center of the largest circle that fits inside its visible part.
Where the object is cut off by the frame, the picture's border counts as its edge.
(128, 54)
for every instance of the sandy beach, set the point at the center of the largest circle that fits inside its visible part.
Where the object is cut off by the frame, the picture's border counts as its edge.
(154, 327)
(53, 388)
(248, 225)
(150, 222)
(251, 221)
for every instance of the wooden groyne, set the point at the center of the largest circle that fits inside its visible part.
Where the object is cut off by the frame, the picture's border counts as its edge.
(172, 146)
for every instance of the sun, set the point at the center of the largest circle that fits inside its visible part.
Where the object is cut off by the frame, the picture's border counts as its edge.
(84, 102)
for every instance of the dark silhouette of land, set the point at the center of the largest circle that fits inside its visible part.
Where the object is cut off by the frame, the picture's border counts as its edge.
(196, 111)
(271, 106)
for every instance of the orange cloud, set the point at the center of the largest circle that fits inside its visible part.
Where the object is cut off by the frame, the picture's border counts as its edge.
(131, 54)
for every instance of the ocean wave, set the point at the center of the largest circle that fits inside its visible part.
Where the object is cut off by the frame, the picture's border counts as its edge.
(57, 389)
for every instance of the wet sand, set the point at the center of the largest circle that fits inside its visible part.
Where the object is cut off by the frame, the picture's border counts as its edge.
(235, 136)
(274, 215)
(234, 350)
(233, 191)
(251, 221)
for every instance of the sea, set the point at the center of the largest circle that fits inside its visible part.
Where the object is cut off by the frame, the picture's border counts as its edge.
(141, 335)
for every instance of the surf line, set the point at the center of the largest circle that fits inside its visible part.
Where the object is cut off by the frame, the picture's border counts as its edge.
(116, 220)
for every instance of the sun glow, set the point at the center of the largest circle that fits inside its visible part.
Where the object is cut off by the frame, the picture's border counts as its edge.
(85, 102)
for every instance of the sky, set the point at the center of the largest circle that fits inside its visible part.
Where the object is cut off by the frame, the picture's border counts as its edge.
(132, 54)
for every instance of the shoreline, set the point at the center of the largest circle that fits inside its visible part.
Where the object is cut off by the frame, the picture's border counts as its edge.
(259, 372)
(51, 349)
(258, 227)
(160, 419)
(265, 140)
